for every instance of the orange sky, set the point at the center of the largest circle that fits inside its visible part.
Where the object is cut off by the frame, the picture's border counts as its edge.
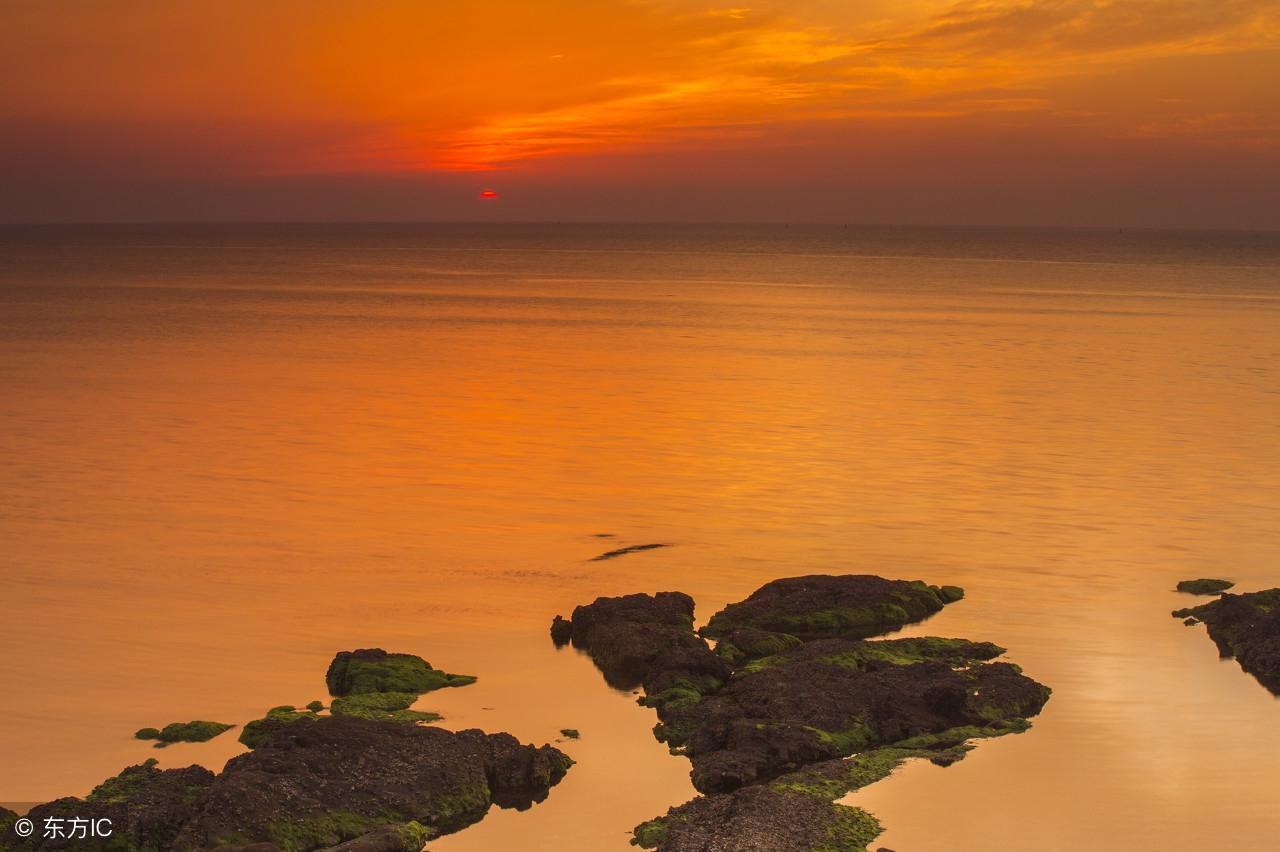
(1071, 111)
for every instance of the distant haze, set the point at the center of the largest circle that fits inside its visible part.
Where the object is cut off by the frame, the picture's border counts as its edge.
(1155, 113)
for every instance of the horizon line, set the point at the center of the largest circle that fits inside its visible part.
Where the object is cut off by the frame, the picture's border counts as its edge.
(107, 223)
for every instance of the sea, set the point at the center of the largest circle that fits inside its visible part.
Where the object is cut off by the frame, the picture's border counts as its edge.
(229, 451)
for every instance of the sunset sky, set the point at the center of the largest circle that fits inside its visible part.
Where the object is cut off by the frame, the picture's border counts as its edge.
(1077, 112)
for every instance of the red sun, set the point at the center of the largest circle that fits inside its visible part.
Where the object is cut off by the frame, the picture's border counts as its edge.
(488, 195)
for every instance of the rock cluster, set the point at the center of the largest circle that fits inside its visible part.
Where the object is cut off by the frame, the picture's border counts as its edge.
(359, 780)
(1247, 627)
(793, 688)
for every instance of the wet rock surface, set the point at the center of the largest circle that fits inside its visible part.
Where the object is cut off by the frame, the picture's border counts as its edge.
(198, 731)
(146, 806)
(1247, 627)
(319, 783)
(645, 640)
(375, 670)
(795, 707)
(815, 704)
(1204, 586)
(759, 819)
(315, 785)
(820, 606)
(364, 779)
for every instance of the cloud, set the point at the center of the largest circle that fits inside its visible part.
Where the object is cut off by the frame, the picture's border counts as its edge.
(972, 58)
(386, 86)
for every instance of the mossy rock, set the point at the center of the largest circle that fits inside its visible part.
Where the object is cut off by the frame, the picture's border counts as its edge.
(1204, 586)
(198, 731)
(760, 817)
(258, 731)
(382, 706)
(819, 606)
(375, 670)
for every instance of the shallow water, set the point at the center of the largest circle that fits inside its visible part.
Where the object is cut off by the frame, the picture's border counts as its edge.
(229, 452)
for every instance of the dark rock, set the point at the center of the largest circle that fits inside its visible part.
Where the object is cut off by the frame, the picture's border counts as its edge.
(822, 606)
(334, 781)
(817, 703)
(7, 819)
(147, 808)
(570, 733)
(644, 639)
(258, 731)
(375, 670)
(410, 837)
(747, 643)
(561, 631)
(320, 783)
(759, 819)
(791, 691)
(623, 551)
(1246, 627)
(1204, 586)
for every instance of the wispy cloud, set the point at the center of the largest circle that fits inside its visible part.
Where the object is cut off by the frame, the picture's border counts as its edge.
(971, 58)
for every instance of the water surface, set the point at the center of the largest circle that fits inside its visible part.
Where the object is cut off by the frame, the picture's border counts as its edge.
(228, 452)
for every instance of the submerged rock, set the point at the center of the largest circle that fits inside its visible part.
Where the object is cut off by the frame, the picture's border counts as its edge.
(1204, 586)
(1247, 627)
(183, 732)
(623, 551)
(375, 670)
(793, 687)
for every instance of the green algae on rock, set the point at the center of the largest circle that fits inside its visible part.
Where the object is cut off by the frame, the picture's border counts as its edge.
(1204, 586)
(146, 806)
(759, 818)
(801, 810)
(348, 776)
(389, 706)
(258, 731)
(796, 706)
(821, 606)
(198, 731)
(1247, 627)
(334, 781)
(374, 670)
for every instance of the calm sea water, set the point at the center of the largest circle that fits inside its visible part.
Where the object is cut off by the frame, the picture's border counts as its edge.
(227, 453)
